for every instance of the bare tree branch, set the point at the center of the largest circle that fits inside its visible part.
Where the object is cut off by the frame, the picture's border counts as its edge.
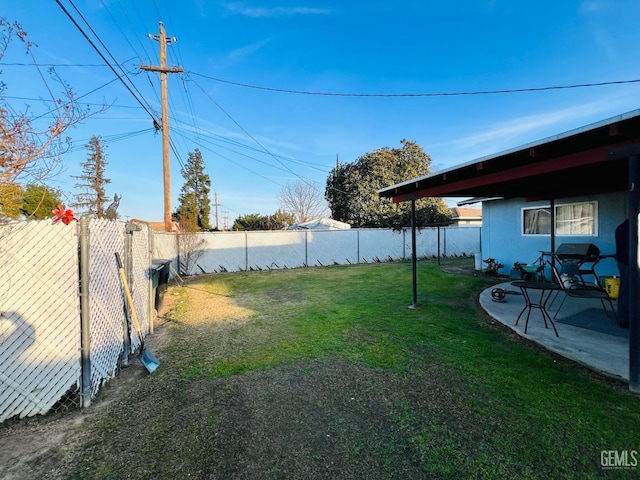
(30, 147)
(304, 201)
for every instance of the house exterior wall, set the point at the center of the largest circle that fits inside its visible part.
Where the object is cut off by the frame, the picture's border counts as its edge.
(502, 236)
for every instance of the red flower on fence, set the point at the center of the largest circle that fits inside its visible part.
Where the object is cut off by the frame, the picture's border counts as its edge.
(65, 215)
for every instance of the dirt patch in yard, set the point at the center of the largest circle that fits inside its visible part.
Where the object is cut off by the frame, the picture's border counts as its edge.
(49, 446)
(313, 419)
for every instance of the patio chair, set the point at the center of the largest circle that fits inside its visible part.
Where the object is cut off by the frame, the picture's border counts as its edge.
(580, 290)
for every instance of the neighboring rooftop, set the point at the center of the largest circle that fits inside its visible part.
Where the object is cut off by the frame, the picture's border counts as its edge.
(462, 213)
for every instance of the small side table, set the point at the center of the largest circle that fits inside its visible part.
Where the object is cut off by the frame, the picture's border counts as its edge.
(545, 289)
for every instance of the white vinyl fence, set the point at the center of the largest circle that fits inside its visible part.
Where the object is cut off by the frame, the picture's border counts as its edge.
(213, 252)
(63, 336)
(64, 326)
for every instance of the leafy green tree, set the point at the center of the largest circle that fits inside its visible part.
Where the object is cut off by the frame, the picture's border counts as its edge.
(429, 211)
(254, 221)
(93, 198)
(352, 189)
(281, 220)
(39, 201)
(250, 221)
(35, 202)
(194, 204)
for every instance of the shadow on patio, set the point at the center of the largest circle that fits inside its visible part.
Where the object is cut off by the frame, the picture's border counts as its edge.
(586, 333)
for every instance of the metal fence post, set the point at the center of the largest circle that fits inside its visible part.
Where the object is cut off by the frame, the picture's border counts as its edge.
(85, 319)
(129, 230)
(439, 253)
(151, 303)
(404, 244)
(126, 341)
(180, 270)
(444, 234)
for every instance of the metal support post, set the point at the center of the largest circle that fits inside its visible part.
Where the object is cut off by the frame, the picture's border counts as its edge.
(85, 318)
(634, 274)
(414, 257)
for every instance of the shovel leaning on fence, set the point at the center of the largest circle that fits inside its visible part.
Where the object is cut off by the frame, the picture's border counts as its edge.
(147, 358)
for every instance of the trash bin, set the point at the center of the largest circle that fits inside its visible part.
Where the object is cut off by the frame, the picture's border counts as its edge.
(160, 279)
(478, 260)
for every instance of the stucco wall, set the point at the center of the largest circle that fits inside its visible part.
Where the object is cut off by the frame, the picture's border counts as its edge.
(503, 240)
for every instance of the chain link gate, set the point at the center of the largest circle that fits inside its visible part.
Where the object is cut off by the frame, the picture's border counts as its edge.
(48, 361)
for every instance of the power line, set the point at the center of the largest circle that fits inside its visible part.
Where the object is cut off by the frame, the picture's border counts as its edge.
(253, 138)
(204, 136)
(116, 137)
(133, 28)
(425, 94)
(81, 96)
(107, 49)
(374, 95)
(175, 152)
(201, 144)
(120, 77)
(238, 164)
(122, 32)
(53, 65)
(264, 149)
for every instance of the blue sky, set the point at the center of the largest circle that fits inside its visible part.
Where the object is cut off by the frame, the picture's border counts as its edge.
(257, 140)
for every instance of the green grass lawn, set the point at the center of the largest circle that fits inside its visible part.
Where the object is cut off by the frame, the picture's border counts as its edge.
(323, 373)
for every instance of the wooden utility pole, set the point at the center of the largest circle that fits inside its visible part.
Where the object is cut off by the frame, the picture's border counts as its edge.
(163, 69)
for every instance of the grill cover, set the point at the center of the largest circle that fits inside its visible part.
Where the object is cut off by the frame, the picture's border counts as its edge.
(577, 250)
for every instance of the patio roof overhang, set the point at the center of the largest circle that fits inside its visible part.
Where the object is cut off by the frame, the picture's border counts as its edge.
(584, 161)
(600, 158)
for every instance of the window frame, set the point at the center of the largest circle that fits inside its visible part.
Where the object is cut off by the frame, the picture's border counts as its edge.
(594, 232)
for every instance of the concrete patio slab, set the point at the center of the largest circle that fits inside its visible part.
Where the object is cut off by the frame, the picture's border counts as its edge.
(606, 353)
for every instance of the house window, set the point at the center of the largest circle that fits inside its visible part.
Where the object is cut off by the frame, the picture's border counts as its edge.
(576, 219)
(536, 221)
(571, 219)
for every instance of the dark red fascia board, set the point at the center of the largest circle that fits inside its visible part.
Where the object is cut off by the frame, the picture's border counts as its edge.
(530, 170)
